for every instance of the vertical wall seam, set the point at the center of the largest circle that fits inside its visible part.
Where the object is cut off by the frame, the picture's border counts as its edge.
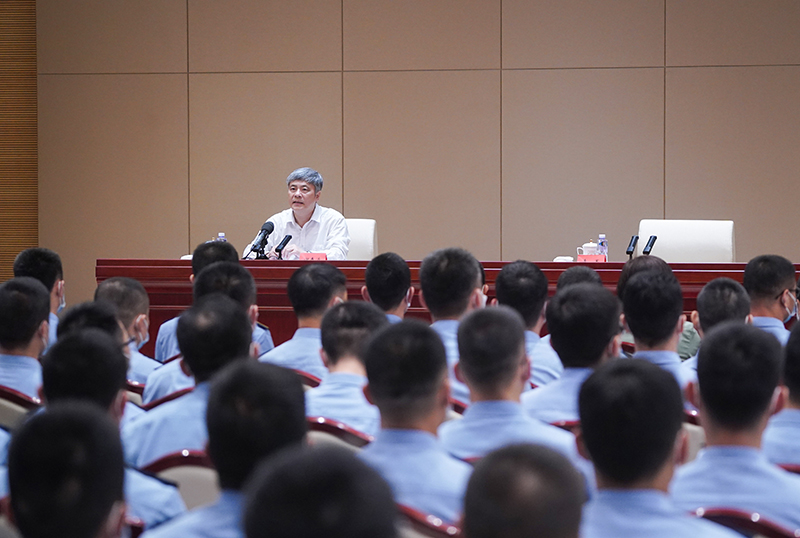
(341, 75)
(501, 129)
(188, 145)
(664, 126)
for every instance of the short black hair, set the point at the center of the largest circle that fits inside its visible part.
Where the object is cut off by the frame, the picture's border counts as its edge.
(738, 368)
(40, 263)
(96, 315)
(447, 278)
(491, 346)
(346, 328)
(653, 303)
(210, 252)
(84, 365)
(405, 363)
(722, 299)
(312, 287)
(521, 491)
(319, 491)
(522, 286)
(578, 274)
(65, 471)
(582, 320)
(631, 412)
(766, 276)
(639, 265)
(213, 332)
(229, 278)
(791, 364)
(24, 305)
(387, 278)
(127, 295)
(254, 410)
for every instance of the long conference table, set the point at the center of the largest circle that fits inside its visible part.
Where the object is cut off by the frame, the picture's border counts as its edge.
(167, 283)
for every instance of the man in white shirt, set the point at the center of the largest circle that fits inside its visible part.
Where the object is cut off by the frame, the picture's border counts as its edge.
(313, 228)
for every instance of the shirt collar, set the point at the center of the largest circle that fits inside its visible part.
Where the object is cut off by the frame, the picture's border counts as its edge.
(494, 408)
(531, 338)
(731, 452)
(634, 500)
(406, 437)
(576, 374)
(761, 321)
(307, 332)
(345, 378)
(659, 357)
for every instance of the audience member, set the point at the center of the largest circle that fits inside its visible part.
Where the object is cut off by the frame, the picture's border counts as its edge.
(24, 333)
(345, 329)
(522, 286)
(212, 333)
(781, 439)
(66, 474)
(771, 282)
(631, 414)
(584, 324)
(254, 410)
(737, 390)
(319, 492)
(45, 266)
(452, 285)
(312, 290)
(522, 491)
(578, 274)
(408, 381)
(388, 285)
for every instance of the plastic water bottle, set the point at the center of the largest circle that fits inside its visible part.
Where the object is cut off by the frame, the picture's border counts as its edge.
(221, 237)
(602, 246)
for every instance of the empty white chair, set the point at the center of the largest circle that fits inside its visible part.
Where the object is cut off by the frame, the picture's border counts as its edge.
(689, 241)
(363, 239)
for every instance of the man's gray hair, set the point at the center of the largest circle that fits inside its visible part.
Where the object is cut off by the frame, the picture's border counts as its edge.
(309, 175)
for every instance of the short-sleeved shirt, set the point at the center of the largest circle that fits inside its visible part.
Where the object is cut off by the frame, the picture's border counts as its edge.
(23, 374)
(671, 362)
(557, 401)
(447, 329)
(340, 396)
(140, 365)
(167, 340)
(546, 365)
(781, 439)
(165, 380)
(773, 326)
(150, 499)
(301, 352)
(221, 519)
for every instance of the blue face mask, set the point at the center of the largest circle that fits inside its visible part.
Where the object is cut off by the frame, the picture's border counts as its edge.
(793, 313)
(141, 344)
(62, 303)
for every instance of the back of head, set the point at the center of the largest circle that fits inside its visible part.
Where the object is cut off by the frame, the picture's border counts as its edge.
(65, 472)
(211, 252)
(388, 279)
(319, 492)
(447, 278)
(254, 410)
(791, 365)
(738, 368)
(578, 274)
(722, 299)
(94, 315)
(84, 365)
(40, 263)
(309, 175)
(631, 412)
(312, 287)
(522, 286)
(582, 320)
(491, 347)
(213, 332)
(653, 304)
(406, 364)
(127, 295)
(766, 276)
(522, 491)
(639, 265)
(346, 328)
(229, 278)
(24, 305)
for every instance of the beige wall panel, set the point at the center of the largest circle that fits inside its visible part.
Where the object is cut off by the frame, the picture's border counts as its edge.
(248, 132)
(265, 35)
(732, 139)
(112, 170)
(421, 34)
(582, 155)
(583, 33)
(102, 36)
(733, 32)
(422, 157)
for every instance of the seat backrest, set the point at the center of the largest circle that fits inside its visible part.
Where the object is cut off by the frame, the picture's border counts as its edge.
(747, 523)
(308, 380)
(339, 430)
(415, 524)
(324, 439)
(194, 474)
(791, 467)
(568, 425)
(167, 398)
(363, 239)
(689, 241)
(696, 439)
(13, 406)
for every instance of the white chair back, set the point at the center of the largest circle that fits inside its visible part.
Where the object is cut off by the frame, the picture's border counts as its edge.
(689, 241)
(363, 239)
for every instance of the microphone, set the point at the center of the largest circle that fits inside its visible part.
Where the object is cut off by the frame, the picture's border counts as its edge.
(632, 246)
(261, 239)
(649, 246)
(282, 245)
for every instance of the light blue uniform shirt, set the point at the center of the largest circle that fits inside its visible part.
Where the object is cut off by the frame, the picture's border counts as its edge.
(340, 396)
(52, 321)
(558, 400)
(170, 427)
(150, 499)
(167, 340)
(164, 380)
(301, 352)
(546, 365)
(221, 519)
(781, 440)
(691, 363)
(671, 362)
(421, 474)
(131, 412)
(393, 319)
(5, 438)
(447, 329)
(140, 366)
(741, 478)
(621, 513)
(23, 374)
(773, 326)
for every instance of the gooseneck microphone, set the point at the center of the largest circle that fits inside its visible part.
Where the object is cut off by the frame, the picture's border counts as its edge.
(282, 245)
(261, 240)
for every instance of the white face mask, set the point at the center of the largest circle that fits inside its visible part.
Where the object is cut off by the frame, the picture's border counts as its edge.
(792, 313)
(62, 303)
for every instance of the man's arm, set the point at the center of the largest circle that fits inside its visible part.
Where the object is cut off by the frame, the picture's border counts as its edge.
(338, 243)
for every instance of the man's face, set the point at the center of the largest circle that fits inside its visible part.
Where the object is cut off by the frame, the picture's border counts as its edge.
(302, 196)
